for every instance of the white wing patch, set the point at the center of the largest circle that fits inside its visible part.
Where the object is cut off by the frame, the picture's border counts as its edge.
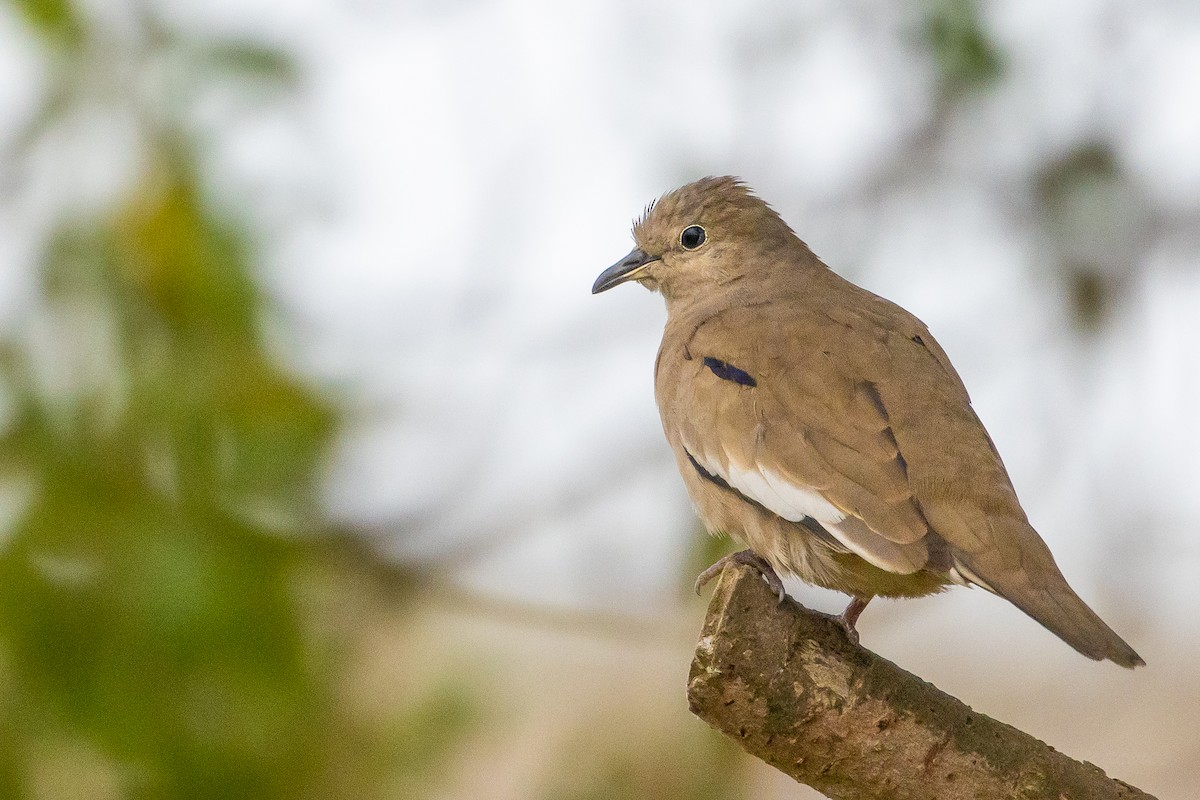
(779, 495)
(791, 502)
(770, 489)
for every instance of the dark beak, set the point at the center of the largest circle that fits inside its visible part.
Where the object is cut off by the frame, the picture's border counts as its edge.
(624, 270)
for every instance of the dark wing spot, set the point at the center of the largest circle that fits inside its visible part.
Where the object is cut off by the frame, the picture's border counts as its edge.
(917, 338)
(728, 372)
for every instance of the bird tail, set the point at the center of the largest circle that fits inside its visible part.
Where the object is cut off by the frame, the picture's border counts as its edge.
(1043, 593)
(1064, 614)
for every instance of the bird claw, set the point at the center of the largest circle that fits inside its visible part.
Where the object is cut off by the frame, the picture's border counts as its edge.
(849, 618)
(848, 627)
(846, 620)
(750, 559)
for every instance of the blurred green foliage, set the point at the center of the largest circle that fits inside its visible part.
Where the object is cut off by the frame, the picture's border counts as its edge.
(147, 592)
(158, 477)
(1093, 217)
(965, 56)
(56, 20)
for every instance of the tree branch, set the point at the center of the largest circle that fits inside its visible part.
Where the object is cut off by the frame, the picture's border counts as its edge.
(788, 685)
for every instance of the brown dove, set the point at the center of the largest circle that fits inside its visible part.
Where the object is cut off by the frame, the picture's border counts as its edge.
(825, 427)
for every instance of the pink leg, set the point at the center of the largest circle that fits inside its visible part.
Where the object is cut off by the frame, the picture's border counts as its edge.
(850, 616)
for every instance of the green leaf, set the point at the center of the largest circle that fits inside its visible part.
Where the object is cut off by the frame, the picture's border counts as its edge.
(56, 20)
(966, 58)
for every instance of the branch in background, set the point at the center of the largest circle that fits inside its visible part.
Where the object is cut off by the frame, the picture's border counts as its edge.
(788, 685)
(436, 585)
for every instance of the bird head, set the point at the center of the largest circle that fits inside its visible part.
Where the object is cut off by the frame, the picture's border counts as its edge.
(707, 234)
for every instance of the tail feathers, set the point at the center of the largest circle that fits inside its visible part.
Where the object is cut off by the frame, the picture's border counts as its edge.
(1046, 596)
(1016, 564)
(1064, 614)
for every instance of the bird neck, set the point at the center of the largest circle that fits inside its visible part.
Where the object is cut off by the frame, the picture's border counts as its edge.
(746, 277)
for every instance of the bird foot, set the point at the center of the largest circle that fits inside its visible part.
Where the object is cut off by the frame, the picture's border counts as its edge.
(750, 559)
(848, 618)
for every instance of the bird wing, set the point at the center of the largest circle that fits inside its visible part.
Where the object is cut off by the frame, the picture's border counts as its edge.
(773, 403)
(857, 419)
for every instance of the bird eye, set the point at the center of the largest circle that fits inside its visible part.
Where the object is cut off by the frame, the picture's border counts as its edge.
(692, 237)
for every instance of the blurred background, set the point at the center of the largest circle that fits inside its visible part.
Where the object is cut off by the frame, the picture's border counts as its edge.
(323, 475)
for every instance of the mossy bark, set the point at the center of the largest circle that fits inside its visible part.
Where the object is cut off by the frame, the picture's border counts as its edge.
(794, 691)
